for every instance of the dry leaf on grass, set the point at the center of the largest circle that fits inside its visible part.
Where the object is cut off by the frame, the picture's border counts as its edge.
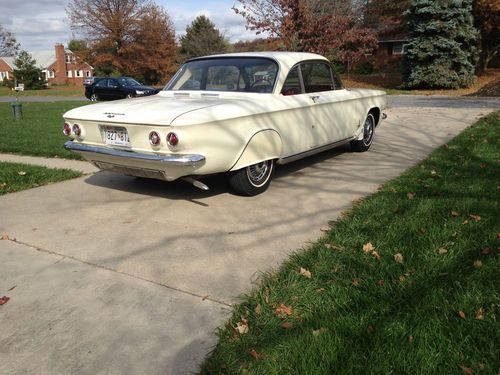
(480, 314)
(5, 237)
(21, 173)
(370, 329)
(258, 309)
(317, 332)
(305, 272)
(242, 327)
(410, 339)
(355, 282)
(287, 325)
(326, 228)
(267, 296)
(256, 355)
(422, 231)
(442, 251)
(467, 370)
(486, 251)
(411, 195)
(461, 314)
(320, 290)
(398, 258)
(334, 247)
(478, 264)
(475, 217)
(376, 255)
(4, 300)
(381, 282)
(283, 310)
(455, 214)
(368, 248)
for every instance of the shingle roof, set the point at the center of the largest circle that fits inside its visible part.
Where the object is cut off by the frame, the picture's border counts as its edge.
(43, 59)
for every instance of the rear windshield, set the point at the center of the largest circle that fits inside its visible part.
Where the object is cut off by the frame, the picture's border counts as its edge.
(226, 74)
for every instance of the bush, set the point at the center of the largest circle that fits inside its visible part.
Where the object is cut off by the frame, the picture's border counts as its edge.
(364, 67)
(8, 83)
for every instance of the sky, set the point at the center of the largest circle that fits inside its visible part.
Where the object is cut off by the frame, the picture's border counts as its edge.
(39, 24)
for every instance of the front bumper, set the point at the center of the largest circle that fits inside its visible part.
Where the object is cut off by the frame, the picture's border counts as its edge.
(165, 167)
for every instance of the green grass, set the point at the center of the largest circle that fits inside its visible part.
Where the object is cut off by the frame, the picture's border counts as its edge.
(360, 315)
(16, 177)
(63, 90)
(39, 133)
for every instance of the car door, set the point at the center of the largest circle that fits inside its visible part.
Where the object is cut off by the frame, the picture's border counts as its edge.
(115, 90)
(336, 120)
(100, 89)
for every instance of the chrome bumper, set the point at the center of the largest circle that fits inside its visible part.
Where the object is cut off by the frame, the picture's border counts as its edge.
(190, 160)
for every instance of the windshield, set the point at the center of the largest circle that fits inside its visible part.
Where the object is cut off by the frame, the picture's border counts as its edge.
(125, 81)
(241, 74)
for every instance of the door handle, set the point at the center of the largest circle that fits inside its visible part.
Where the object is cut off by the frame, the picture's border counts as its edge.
(315, 98)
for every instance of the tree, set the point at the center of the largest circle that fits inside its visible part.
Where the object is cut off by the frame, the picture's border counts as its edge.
(115, 30)
(487, 20)
(385, 16)
(442, 51)
(8, 43)
(77, 45)
(26, 71)
(202, 38)
(321, 26)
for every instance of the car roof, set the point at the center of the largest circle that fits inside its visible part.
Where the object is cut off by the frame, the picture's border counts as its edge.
(286, 58)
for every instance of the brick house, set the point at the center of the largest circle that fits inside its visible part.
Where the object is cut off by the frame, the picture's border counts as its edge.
(59, 67)
(390, 51)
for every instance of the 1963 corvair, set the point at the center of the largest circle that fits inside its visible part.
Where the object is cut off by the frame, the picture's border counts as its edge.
(239, 113)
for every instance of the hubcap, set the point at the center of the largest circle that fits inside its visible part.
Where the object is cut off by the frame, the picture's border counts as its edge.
(258, 174)
(368, 131)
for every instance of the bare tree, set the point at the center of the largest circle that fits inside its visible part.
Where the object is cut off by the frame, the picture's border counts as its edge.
(8, 43)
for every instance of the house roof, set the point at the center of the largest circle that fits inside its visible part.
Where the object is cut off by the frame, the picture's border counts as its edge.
(43, 59)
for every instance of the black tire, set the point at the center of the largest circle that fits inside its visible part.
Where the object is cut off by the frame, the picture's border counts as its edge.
(252, 180)
(129, 96)
(94, 98)
(368, 135)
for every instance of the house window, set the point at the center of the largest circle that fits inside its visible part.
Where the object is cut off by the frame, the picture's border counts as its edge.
(70, 74)
(87, 73)
(4, 75)
(79, 73)
(399, 48)
(50, 74)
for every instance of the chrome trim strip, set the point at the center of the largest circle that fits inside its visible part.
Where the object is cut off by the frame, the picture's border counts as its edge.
(181, 159)
(316, 150)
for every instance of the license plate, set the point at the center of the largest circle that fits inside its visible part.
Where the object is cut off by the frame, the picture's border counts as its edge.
(116, 136)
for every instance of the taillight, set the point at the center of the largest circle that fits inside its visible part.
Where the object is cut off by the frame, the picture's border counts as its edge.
(67, 129)
(154, 139)
(172, 139)
(77, 130)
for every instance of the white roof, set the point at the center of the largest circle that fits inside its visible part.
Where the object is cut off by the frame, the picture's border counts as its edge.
(43, 59)
(287, 58)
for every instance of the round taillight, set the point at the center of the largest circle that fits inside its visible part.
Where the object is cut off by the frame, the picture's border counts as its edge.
(154, 139)
(172, 139)
(77, 130)
(67, 129)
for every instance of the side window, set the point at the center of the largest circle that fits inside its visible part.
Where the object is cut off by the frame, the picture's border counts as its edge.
(317, 77)
(102, 83)
(337, 81)
(112, 83)
(222, 78)
(292, 83)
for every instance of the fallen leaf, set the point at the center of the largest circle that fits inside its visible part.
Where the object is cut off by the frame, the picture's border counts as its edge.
(258, 309)
(422, 231)
(475, 217)
(498, 235)
(485, 140)
(2, 185)
(317, 332)
(283, 310)
(242, 327)
(455, 214)
(326, 228)
(442, 251)
(4, 300)
(446, 146)
(402, 278)
(480, 314)
(410, 339)
(355, 282)
(334, 247)
(482, 165)
(5, 237)
(393, 190)
(433, 173)
(320, 290)
(381, 282)
(411, 195)
(305, 272)
(486, 251)
(267, 296)
(398, 258)
(287, 325)
(478, 264)
(461, 314)
(467, 370)
(21, 173)
(376, 255)
(370, 329)
(256, 355)
(368, 248)
(465, 222)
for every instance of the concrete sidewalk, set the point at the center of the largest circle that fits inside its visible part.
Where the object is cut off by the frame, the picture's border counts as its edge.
(114, 274)
(82, 166)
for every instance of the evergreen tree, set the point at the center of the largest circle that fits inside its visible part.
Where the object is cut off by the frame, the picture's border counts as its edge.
(26, 71)
(202, 38)
(442, 51)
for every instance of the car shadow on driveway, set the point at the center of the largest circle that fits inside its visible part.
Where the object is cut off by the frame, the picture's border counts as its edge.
(218, 183)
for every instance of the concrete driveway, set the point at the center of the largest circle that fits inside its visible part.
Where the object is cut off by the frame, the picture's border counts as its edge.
(113, 274)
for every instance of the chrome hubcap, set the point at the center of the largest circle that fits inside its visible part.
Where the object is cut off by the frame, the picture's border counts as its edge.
(368, 131)
(259, 173)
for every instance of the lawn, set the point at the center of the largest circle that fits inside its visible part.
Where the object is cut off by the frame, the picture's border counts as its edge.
(16, 177)
(39, 133)
(402, 283)
(63, 90)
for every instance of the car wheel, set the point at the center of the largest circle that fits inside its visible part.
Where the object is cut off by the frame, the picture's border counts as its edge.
(252, 180)
(368, 135)
(94, 98)
(129, 96)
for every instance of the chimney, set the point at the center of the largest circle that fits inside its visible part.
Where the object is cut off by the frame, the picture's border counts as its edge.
(60, 68)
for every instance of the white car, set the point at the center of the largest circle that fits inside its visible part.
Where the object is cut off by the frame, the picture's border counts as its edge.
(239, 114)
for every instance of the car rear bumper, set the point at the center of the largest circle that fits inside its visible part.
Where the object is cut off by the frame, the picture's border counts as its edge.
(166, 167)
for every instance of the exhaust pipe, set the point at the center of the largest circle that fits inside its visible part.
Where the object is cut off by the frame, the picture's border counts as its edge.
(196, 183)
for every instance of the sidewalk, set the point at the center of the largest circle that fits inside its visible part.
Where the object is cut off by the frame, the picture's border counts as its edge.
(82, 166)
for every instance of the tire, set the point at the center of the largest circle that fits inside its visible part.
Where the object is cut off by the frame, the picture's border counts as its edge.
(368, 135)
(252, 180)
(129, 96)
(94, 98)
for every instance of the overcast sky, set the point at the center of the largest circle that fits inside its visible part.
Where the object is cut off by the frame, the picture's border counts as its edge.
(39, 24)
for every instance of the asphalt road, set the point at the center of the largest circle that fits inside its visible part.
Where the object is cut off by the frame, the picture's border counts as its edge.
(113, 274)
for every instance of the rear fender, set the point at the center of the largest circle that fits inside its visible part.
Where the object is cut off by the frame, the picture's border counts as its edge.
(264, 145)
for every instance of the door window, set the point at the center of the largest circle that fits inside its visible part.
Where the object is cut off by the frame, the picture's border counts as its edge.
(102, 83)
(292, 83)
(317, 77)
